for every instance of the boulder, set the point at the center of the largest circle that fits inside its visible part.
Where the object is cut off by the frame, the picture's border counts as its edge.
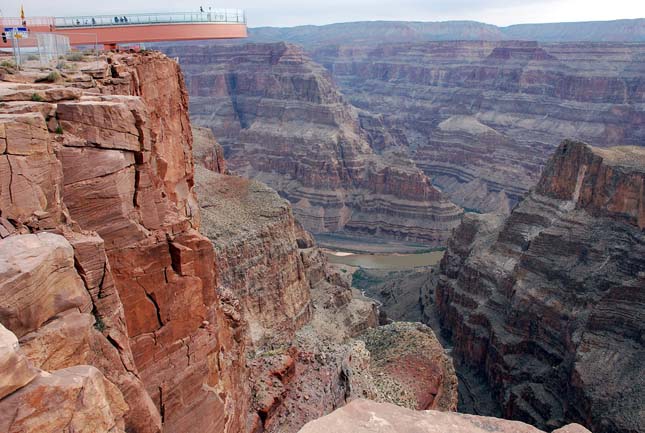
(38, 281)
(15, 370)
(365, 416)
(76, 399)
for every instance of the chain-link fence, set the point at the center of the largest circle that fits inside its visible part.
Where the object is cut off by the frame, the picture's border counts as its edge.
(39, 48)
(50, 50)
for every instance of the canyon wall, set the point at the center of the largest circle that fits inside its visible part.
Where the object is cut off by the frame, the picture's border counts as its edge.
(111, 292)
(548, 303)
(104, 265)
(481, 118)
(282, 121)
(380, 32)
(310, 340)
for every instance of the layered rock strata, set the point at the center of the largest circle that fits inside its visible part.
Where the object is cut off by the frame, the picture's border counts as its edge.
(481, 118)
(287, 296)
(548, 303)
(379, 32)
(127, 285)
(282, 121)
(364, 416)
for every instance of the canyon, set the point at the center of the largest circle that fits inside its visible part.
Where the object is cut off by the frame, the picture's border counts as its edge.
(478, 118)
(158, 271)
(128, 305)
(379, 32)
(548, 303)
(481, 118)
(282, 121)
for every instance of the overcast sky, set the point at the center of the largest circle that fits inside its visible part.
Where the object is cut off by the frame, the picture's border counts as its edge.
(285, 13)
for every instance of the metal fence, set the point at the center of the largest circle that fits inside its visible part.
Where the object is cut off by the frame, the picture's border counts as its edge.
(40, 49)
(234, 16)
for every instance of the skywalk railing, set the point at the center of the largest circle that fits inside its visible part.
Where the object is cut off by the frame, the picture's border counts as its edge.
(27, 22)
(223, 16)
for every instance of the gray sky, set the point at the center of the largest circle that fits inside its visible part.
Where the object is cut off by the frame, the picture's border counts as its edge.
(285, 13)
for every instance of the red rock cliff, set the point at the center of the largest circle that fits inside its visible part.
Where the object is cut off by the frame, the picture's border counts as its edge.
(110, 168)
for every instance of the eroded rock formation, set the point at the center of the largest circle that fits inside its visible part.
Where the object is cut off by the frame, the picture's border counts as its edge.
(124, 282)
(410, 367)
(548, 303)
(282, 121)
(481, 118)
(299, 316)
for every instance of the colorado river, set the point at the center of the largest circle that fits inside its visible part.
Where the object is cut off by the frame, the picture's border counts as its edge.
(385, 261)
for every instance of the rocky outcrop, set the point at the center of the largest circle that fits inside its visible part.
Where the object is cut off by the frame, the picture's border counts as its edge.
(207, 151)
(481, 118)
(410, 367)
(256, 253)
(363, 416)
(126, 284)
(298, 315)
(548, 302)
(77, 398)
(282, 121)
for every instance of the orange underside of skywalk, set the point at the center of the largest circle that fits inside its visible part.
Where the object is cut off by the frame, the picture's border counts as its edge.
(114, 35)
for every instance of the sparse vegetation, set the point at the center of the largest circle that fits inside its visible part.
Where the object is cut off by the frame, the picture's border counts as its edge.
(75, 57)
(32, 57)
(59, 129)
(52, 77)
(8, 64)
(361, 279)
(98, 323)
(36, 97)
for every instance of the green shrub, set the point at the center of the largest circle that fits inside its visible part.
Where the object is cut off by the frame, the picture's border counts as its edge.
(52, 77)
(75, 57)
(98, 324)
(7, 64)
(59, 129)
(36, 97)
(32, 57)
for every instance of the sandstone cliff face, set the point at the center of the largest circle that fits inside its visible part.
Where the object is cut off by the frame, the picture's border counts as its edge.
(481, 118)
(548, 303)
(282, 121)
(256, 253)
(109, 168)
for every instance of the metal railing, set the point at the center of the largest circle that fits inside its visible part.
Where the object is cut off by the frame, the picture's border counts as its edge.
(30, 21)
(234, 16)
